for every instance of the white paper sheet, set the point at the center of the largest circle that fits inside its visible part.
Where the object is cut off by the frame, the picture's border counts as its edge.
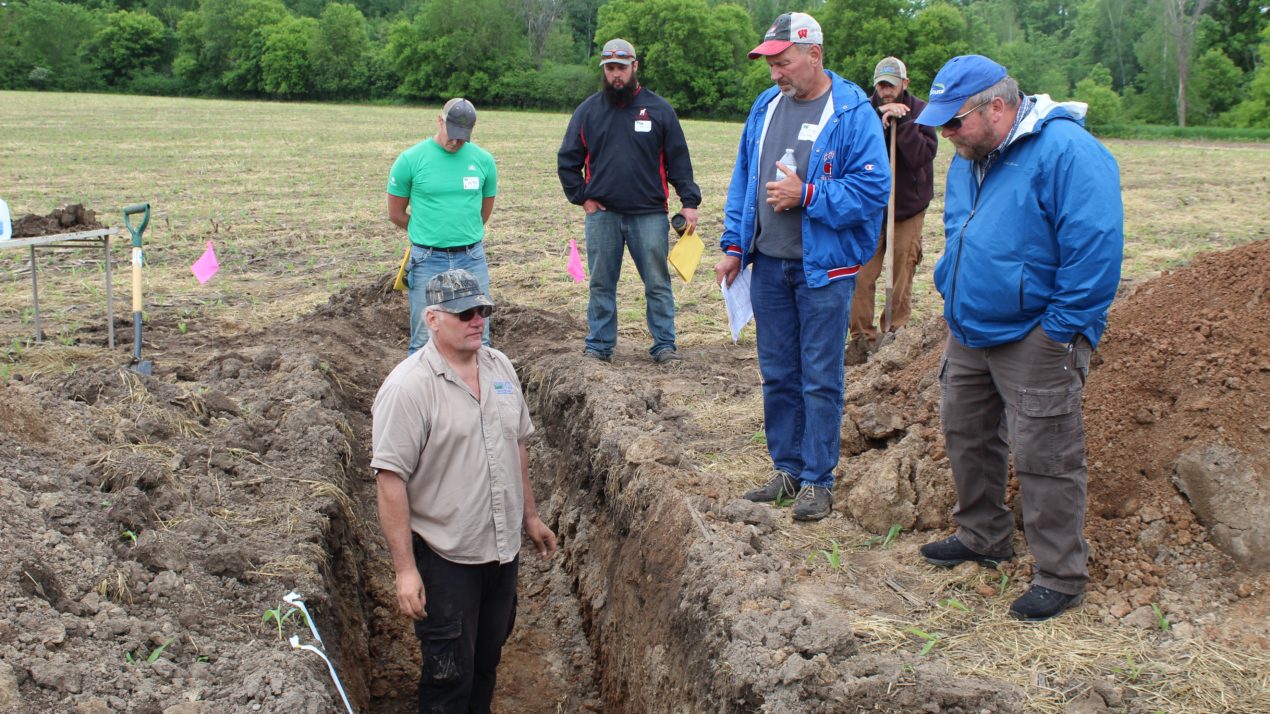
(736, 298)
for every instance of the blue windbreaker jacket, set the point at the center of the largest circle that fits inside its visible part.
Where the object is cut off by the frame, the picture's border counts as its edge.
(844, 200)
(1040, 241)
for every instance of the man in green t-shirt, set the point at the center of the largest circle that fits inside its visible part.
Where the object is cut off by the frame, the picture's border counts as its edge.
(448, 183)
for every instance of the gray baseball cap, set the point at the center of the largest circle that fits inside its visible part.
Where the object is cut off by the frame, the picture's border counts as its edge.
(455, 291)
(617, 51)
(890, 70)
(460, 117)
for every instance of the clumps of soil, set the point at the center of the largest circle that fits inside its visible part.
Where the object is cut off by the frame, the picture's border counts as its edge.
(73, 218)
(1178, 438)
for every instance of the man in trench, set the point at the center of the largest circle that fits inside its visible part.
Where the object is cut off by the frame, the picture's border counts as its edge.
(452, 471)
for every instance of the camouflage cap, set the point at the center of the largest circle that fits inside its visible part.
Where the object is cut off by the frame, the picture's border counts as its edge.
(455, 291)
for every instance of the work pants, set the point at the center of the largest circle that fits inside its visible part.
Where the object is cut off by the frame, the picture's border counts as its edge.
(471, 610)
(1023, 396)
(906, 257)
(647, 236)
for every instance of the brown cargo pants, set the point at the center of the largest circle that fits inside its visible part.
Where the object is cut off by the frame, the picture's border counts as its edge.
(1022, 397)
(906, 256)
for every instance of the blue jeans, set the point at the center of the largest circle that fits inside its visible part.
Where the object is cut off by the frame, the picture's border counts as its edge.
(647, 235)
(426, 262)
(801, 333)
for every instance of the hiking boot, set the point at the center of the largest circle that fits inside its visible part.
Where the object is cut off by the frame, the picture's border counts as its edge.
(951, 551)
(592, 354)
(813, 503)
(781, 485)
(667, 355)
(1040, 603)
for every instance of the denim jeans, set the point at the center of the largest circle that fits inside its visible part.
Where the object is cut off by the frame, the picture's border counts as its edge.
(647, 235)
(426, 262)
(801, 334)
(471, 611)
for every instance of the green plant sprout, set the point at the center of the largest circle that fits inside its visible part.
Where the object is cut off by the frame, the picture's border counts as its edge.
(182, 327)
(953, 603)
(1132, 670)
(894, 532)
(931, 639)
(279, 618)
(1005, 581)
(1161, 620)
(128, 535)
(833, 555)
(150, 658)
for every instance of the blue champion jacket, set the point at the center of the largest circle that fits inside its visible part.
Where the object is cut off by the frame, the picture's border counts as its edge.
(844, 198)
(1040, 241)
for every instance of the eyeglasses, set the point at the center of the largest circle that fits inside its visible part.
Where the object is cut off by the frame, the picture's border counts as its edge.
(955, 123)
(471, 312)
(617, 54)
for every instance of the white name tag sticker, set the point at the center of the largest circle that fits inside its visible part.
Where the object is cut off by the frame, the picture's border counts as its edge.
(643, 125)
(809, 132)
(471, 183)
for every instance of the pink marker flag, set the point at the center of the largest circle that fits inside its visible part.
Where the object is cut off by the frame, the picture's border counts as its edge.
(206, 266)
(575, 268)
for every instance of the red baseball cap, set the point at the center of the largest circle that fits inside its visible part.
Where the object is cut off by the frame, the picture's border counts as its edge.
(791, 28)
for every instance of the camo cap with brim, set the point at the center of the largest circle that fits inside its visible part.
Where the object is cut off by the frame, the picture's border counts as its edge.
(455, 291)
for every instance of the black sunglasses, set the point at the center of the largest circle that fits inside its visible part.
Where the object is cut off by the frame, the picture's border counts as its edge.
(619, 54)
(955, 123)
(471, 312)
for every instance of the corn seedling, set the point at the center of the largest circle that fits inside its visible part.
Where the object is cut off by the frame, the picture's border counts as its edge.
(279, 618)
(833, 555)
(156, 653)
(1161, 620)
(931, 639)
(892, 534)
(129, 536)
(953, 603)
(1132, 670)
(1005, 581)
(759, 437)
(182, 327)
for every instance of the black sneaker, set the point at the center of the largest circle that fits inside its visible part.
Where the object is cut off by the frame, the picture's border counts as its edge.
(1040, 603)
(592, 354)
(950, 551)
(667, 355)
(781, 485)
(813, 503)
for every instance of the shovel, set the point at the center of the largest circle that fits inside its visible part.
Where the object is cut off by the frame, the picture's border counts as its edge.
(139, 365)
(888, 261)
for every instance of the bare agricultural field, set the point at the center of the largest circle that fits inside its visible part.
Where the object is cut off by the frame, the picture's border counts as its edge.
(239, 468)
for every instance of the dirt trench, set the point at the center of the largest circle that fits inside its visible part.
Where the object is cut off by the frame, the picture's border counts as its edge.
(147, 524)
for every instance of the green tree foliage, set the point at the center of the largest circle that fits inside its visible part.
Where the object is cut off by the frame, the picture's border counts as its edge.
(339, 52)
(442, 53)
(858, 33)
(1254, 111)
(221, 44)
(1216, 86)
(47, 37)
(128, 43)
(1106, 110)
(945, 33)
(691, 53)
(286, 67)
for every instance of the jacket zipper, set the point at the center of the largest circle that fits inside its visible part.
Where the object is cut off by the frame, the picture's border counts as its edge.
(961, 243)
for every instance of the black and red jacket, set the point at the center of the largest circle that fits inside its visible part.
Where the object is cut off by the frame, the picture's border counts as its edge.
(626, 156)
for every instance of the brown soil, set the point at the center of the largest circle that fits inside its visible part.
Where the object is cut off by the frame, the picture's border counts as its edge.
(67, 219)
(150, 522)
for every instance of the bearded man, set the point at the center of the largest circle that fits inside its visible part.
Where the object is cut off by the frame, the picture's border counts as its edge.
(622, 149)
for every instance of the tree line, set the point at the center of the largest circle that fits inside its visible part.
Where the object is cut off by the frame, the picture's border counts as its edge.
(1183, 62)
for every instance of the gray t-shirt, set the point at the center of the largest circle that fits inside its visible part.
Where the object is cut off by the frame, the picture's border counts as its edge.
(794, 125)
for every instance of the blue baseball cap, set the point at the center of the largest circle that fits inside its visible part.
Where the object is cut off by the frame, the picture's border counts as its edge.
(958, 80)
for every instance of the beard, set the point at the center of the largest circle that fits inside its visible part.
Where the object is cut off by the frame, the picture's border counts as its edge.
(621, 96)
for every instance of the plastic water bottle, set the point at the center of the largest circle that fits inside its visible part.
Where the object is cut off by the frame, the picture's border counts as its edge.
(789, 160)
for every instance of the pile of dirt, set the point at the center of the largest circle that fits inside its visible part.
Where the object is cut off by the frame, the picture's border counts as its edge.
(1178, 442)
(67, 219)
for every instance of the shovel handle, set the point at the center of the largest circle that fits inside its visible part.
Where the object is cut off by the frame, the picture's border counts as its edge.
(132, 210)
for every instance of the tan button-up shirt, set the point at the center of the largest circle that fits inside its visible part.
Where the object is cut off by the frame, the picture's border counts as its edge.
(459, 454)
